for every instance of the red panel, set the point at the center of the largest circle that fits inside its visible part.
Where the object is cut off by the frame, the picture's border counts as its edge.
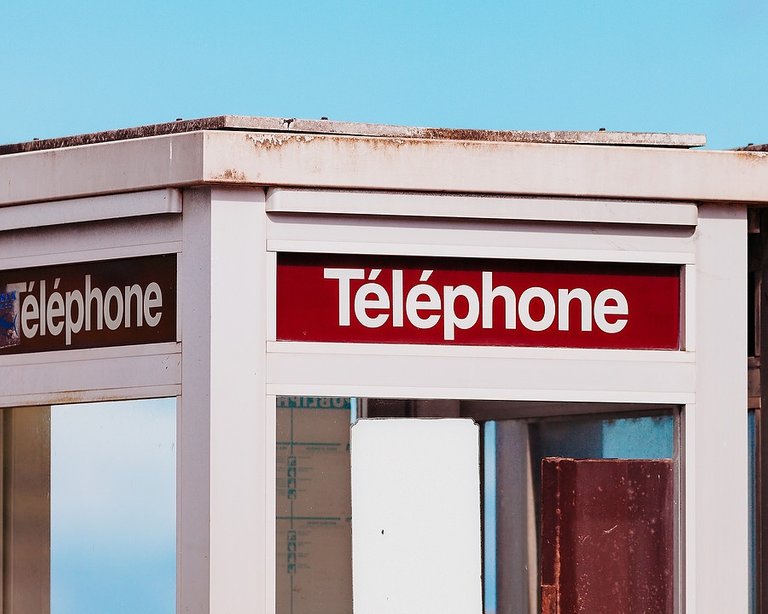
(388, 299)
(607, 536)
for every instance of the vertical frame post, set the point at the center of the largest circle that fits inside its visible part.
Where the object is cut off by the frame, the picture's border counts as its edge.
(716, 428)
(223, 485)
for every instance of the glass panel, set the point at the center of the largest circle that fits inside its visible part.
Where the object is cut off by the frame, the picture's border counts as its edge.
(753, 511)
(489, 517)
(645, 437)
(314, 529)
(521, 445)
(26, 487)
(513, 450)
(313, 487)
(113, 507)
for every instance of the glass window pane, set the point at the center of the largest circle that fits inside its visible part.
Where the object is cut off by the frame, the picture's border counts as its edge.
(113, 507)
(753, 510)
(645, 437)
(521, 446)
(313, 476)
(489, 517)
(638, 437)
(314, 505)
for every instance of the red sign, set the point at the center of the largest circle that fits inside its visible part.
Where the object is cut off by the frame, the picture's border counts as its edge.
(450, 301)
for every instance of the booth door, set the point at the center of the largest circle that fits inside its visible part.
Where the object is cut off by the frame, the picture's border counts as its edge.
(606, 536)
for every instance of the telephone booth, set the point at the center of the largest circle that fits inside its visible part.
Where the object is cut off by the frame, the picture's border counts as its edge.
(414, 370)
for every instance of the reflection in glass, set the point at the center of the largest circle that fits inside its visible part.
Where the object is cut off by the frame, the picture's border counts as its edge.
(753, 511)
(518, 449)
(314, 505)
(489, 517)
(113, 508)
(313, 487)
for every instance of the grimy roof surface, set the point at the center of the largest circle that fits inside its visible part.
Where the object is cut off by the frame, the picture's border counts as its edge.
(323, 126)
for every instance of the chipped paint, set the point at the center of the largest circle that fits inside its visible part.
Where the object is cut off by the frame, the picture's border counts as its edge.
(319, 127)
(754, 148)
(232, 174)
(267, 141)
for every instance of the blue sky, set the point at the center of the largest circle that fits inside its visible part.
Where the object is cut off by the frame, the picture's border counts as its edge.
(113, 507)
(84, 66)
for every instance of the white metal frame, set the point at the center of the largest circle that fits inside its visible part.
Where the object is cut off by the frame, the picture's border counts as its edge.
(716, 456)
(36, 238)
(410, 205)
(72, 231)
(233, 367)
(702, 378)
(226, 432)
(548, 374)
(95, 208)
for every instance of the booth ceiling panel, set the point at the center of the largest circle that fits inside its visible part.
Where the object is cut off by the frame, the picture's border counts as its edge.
(480, 238)
(91, 209)
(492, 208)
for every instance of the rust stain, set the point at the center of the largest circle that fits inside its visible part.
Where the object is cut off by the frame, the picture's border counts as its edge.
(504, 136)
(74, 396)
(422, 137)
(71, 397)
(292, 125)
(231, 174)
(549, 603)
(754, 156)
(270, 141)
(463, 134)
(276, 140)
(754, 148)
(177, 127)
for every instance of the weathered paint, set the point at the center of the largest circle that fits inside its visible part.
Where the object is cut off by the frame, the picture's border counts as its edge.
(322, 126)
(384, 163)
